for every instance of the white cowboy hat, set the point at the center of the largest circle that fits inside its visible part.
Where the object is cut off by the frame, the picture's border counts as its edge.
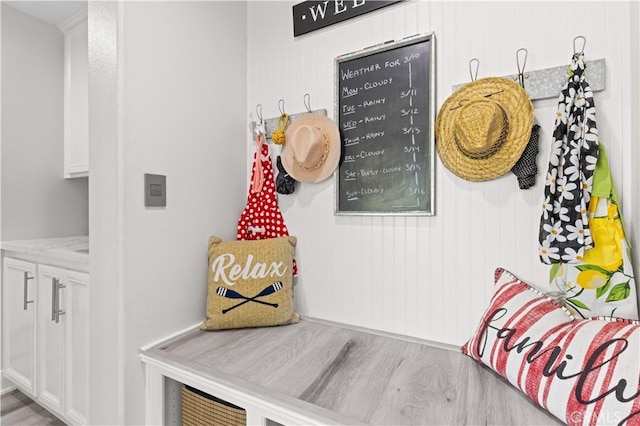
(311, 150)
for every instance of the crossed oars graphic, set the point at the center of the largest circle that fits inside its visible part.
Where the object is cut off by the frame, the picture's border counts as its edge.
(231, 294)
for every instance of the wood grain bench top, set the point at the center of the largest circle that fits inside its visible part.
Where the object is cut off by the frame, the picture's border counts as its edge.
(351, 376)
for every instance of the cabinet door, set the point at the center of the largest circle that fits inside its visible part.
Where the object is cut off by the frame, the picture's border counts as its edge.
(19, 319)
(77, 346)
(50, 337)
(76, 98)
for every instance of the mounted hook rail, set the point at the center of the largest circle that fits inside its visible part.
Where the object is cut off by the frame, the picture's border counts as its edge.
(547, 83)
(271, 124)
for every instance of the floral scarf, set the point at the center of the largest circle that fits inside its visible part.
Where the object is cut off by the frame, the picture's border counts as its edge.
(564, 227)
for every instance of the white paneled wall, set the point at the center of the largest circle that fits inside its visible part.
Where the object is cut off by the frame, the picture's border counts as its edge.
(431, 277)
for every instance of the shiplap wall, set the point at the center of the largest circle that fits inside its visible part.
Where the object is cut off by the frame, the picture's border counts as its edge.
(431, 277)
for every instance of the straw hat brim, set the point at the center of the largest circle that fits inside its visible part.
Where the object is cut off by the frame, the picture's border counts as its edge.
(516, 103)
(326, 169)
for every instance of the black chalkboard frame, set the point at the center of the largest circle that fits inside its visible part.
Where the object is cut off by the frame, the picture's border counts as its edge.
(427, 140)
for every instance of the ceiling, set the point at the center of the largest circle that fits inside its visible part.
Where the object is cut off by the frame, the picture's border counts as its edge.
(54, 12)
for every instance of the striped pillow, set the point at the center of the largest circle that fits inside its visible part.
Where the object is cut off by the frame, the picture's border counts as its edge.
(584, 372)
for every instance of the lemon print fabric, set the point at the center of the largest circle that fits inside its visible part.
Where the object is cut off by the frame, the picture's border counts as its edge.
(592, 279)
(601, 282)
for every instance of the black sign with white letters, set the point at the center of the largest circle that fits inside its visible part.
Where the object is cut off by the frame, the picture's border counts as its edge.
(312, 15)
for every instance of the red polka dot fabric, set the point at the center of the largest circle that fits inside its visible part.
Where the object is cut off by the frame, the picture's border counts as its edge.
(261, 218)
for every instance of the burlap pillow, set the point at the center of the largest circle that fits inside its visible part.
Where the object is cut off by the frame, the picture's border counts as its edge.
(250, 283)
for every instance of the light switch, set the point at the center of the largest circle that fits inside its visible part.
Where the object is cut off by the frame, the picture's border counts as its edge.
(155, 190)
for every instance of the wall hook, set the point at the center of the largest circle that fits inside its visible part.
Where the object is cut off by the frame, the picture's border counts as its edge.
(307, 102)
(259, 112)
(521, 67)
(584, 43)
(473, 75)
(281, 106)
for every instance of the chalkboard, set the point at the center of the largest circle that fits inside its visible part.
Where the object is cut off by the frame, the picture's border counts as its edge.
(385, 109)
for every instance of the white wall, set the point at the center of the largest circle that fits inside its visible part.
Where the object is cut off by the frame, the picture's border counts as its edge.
(172, 84)
(168, 96)
(106, 389)
(37, 202)
(633, 154)
(431, 277)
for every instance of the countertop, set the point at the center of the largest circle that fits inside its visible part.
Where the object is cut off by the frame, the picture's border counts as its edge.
(69, 249)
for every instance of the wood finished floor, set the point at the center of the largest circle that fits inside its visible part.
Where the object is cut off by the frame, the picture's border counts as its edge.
(18, 409)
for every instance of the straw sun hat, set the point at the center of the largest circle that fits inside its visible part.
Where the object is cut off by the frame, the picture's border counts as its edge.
(311, 151)
(483, 128)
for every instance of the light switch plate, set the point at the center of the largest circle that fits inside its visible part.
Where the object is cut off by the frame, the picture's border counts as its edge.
(155, 190)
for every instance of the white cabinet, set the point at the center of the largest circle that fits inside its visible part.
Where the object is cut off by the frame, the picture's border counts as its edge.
(75, 302)
(46, 345)
(63, 339)
(50, 339)
(76, 97)
(19, 323)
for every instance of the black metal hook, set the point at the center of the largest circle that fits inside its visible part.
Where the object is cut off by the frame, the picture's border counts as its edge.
(461, 102)
(471, 73)
(307, 102)
(584, 43)
(524, 64)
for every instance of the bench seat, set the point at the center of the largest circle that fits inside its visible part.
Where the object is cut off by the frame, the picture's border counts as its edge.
(318, 372)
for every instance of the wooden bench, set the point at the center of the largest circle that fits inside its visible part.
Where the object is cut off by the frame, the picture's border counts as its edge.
(317, 372)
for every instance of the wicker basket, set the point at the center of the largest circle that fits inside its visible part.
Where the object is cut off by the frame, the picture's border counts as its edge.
(199, 409)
